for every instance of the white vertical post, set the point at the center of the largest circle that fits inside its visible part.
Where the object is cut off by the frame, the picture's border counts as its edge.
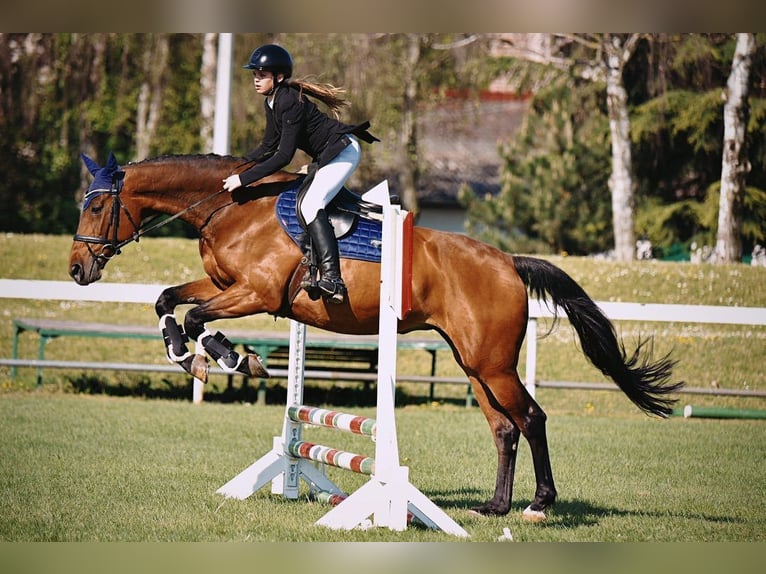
(291, 430)
(221, 125)
(389, 495)
(386, 445)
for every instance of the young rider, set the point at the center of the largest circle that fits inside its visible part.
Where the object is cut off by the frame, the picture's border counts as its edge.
(294, 122)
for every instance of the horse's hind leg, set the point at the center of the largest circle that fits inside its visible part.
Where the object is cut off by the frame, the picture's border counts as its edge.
(506, 436)
(511, 412)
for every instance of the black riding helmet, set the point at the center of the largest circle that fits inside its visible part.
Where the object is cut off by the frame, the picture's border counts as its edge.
(271, 58)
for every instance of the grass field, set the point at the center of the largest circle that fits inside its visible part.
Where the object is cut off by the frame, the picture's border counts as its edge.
(77, 467)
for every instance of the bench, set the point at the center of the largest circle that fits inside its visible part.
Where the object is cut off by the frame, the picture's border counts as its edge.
(328, 355)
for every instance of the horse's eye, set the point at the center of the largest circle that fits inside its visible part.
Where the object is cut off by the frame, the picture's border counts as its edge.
(97, 206)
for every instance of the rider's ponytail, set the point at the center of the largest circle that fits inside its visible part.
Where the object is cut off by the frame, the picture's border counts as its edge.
(326, 93)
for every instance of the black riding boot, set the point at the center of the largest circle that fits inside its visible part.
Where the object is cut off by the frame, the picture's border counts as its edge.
(326, 249)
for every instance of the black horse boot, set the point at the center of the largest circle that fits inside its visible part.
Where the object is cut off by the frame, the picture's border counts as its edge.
(326, 249)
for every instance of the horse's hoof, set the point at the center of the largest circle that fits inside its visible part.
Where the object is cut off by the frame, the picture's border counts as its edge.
(533, 515)
(255, 366)
(486, 510)
(198, 367)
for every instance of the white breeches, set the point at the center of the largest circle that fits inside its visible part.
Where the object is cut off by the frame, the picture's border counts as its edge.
(329, 179)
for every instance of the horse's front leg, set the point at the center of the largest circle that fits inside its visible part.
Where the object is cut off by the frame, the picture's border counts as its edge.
(173, 336)
(229, 304)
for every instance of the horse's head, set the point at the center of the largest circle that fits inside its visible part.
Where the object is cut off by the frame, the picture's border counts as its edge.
(105, 223)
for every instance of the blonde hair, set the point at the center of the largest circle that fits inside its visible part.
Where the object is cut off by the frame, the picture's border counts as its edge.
(332, 96)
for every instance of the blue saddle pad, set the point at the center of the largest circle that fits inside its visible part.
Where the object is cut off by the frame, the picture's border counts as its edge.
(362, 242)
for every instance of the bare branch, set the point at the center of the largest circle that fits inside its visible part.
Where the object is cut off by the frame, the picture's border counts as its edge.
(630, 46)
(457, 43)
(594, 45)
(537, 57)
(591, 69)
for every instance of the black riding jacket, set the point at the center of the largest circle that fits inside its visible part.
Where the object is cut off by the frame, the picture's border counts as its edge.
(295, 122)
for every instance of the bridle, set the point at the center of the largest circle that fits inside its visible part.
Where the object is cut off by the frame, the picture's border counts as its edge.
(110, 243)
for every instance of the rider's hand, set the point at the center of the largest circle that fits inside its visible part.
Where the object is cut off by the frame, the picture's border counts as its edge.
(232, 182)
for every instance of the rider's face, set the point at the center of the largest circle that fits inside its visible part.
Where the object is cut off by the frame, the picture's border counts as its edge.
(263, 81)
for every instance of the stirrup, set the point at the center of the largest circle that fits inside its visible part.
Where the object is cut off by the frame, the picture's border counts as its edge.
(333, 290)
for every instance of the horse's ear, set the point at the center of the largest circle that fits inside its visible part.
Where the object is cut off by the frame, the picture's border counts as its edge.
(92, 166)
(111, 163)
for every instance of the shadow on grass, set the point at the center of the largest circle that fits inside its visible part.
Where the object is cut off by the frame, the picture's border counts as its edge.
(352, 394)
(568, 513)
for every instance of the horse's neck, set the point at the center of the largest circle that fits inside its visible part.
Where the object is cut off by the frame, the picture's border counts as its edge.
(172, 189)
(179, 192)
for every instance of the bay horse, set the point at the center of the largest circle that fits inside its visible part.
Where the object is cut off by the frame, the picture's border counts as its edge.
(472, 294)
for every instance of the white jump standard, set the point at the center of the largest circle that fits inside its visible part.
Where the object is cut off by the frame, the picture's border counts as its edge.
(387, 498)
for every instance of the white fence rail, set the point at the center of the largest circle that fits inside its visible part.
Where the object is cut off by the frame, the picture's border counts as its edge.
(655, 312)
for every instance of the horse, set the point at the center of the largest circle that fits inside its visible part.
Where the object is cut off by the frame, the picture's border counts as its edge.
(471, 293)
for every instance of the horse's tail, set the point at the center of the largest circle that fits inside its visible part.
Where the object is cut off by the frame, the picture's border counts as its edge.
(643, 381)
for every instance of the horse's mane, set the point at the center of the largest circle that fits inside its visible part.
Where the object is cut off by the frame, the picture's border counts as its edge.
(272, 185)
(179, 158)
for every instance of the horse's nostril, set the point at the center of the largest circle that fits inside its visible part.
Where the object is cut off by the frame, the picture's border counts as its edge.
(75, 271)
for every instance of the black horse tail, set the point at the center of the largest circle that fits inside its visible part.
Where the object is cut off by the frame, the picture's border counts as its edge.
(643, 381)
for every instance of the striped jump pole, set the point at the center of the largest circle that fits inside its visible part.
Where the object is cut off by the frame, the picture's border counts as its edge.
(332, 456)
(279, 467)
(388, 496)
(332, 419)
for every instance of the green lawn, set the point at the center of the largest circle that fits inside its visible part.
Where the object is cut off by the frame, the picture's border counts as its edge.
(80, 468)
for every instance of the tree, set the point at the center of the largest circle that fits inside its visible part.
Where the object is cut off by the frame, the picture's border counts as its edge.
(678, 134)
(554, 194)
(409, 176)
(735, 164)
(599, 58)
(154, 67)
(617, 52)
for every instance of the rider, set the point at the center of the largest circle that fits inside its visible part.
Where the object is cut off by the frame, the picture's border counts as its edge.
(294, 122)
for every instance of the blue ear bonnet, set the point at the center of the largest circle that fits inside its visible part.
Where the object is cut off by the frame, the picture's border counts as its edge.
(103, 178)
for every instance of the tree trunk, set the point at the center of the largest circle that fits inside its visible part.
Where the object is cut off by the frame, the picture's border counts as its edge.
(735, 165)
(150, 95)
(410, 174)
(612, 52)
(91, 59)
(208, 73)
(621, 180)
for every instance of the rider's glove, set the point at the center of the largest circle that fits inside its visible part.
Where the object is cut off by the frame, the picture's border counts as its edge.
(232, 182)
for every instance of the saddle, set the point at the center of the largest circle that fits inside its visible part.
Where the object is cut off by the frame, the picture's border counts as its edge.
(357, 224)
(355, 220)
